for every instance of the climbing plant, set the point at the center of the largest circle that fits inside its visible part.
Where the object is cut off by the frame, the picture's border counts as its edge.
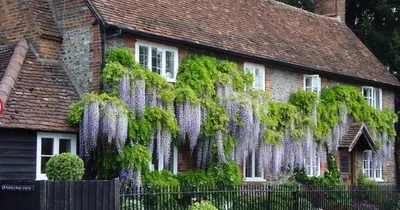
(213, 107)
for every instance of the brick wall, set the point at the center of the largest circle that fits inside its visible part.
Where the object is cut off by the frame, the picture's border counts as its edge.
(331, 8)
(186, 160)
(16, 22)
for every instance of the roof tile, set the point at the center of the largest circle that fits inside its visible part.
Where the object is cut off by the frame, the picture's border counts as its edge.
(262, 28)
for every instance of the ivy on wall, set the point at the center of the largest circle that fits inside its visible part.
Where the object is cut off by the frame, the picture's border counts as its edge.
(213, 107)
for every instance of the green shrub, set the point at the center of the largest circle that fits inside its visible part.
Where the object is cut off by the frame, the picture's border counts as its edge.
(203, 205)
(225, 174)
(194, 177)
(163, 178)
(65, 167)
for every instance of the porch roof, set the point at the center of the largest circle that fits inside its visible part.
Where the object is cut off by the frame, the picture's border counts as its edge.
(353, 134)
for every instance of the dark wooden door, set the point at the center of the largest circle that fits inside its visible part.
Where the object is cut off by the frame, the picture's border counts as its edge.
(345, 167)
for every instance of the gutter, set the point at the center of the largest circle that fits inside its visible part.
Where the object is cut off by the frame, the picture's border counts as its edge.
(13, 69)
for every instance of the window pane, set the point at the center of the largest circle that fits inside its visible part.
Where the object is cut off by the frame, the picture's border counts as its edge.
(47, 146)
(344, 163)
(170, 64)
(156, 55)
(154, 155)
(248, 165)
(65, 146)
(256, 167)
(143, 56)
(43, 164)
(377, 98)
(308, 82)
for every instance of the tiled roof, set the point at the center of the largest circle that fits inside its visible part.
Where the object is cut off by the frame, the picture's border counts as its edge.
(40, 98)
(5, 55)
(44, 17)
(352, 135)
(262, 28)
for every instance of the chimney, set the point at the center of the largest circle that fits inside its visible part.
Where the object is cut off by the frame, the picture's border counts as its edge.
(331, 8)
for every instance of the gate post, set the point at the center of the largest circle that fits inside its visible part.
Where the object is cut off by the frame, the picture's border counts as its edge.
(43, 194)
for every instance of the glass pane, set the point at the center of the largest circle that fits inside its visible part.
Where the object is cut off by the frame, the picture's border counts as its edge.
(47, 146)
(256, 168)
(143, 56)
(170, 64)
(248, 165)
(43, 164)
(308, 83)
(344, 163)
(156, 55)
(377, 98)
(65, 146)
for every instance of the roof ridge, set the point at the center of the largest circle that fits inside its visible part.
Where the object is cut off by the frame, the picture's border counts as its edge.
(13, 69)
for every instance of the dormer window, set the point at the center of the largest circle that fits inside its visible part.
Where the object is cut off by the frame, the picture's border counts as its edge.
(160, 59)
(258, 72)
(312, 83)
(373, 96)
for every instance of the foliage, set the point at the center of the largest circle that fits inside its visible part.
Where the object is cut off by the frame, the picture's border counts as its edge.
(330, 105)
(203, 205)
(194, 177)
(121, 55)
(65, 167)
(225, 174)
(136, 158)
(163, 178)
(108, 166)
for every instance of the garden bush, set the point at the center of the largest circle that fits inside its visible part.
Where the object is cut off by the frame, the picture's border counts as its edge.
(65, 167)
(203, 205)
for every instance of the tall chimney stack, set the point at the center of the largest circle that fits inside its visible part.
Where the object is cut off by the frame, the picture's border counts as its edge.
(331, 8)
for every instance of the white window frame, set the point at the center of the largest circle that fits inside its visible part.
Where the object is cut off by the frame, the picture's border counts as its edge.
(252, 67)
(56, 143)
(372, 99)
(254, 177)
(366, 171)
(311, 171)
(174, 160)
(314, 78)
(164, 48)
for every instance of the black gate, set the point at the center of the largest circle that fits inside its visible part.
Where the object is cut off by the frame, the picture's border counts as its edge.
(19, 195)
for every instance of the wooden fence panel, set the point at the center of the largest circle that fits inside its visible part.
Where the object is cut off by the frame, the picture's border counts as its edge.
(81, 195)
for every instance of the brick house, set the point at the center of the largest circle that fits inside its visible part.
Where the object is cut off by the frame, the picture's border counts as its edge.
(290, 49)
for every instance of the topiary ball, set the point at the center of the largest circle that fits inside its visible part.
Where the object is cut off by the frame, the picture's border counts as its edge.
(65, 167)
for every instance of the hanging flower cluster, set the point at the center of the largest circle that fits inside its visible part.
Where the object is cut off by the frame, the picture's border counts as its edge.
(104, 120)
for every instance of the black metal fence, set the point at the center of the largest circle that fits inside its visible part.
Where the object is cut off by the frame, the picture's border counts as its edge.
(254, 197)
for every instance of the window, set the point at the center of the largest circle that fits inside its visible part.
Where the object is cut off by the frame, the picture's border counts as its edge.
(158, 164)
(373, 96)
(50, 144)
(160, 59)
(369, 170)
(312, 167)
(344, 164)
(258, 72)
(312, 83)
(251, 168)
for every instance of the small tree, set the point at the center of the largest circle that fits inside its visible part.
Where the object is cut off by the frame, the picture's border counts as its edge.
(65, 167)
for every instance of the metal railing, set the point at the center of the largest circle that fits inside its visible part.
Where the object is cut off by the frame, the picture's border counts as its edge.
(254, 197)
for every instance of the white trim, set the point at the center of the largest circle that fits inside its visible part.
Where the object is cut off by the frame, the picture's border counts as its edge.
(312, 166)
(369, 169)
(372, 98)
(164, 48)
(173, 158)
(252, 67)
(56, 143)
(314, 79)
(254, 177)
